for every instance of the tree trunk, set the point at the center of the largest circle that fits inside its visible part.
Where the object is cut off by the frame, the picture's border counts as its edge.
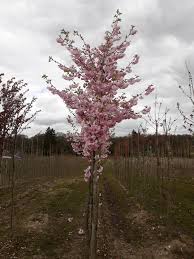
(94, 211)
(157, 147)
(12, 184)
(89, 212)
(1, 162)
(93, 240)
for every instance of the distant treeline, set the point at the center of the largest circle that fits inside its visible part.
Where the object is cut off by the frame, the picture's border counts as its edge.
(52, 143)
(46, 144)
(139, 144)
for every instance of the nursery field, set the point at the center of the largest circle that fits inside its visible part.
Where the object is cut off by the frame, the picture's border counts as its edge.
(140, 216)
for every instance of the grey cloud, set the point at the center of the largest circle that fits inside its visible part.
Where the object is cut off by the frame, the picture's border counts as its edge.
(49, 121)
(165, 41)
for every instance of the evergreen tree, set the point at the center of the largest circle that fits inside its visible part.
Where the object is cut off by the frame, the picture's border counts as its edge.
(49, 141)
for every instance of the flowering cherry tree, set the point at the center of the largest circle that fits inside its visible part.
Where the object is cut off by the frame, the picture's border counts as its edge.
(93, 96)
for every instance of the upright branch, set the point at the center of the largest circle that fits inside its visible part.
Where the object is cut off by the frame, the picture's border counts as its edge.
(154, 120)
(168, 124)
(189, 94)
(157, 120)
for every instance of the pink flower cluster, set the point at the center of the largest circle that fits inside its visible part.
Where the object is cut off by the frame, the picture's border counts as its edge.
(149, 90)
(87, 173)
(93, 94)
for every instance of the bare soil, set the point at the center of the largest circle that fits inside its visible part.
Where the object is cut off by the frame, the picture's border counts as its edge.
(130, 232)
(50, 223)
(48, 217)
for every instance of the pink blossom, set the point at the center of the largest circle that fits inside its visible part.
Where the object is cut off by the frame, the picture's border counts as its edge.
(68, 77)
(133, 80)
(100, 169)
(149, 90)
(135, 60)
(146, 110)
(87, 174)
(60, 40)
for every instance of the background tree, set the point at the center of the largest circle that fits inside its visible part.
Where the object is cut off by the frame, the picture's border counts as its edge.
(154, 120)
(93, 98)
(189, 93)
(8, 108)
(35, 145)
(21, 121)
(169, 126)
(15, 116)
(49, 141)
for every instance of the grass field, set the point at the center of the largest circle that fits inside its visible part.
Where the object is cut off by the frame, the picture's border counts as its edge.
(134, 223)
(48, 216)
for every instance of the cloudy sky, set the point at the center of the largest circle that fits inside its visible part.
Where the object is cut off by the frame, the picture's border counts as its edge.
(165, 40)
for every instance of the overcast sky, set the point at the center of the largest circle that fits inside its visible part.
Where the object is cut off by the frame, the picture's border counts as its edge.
(165, 40)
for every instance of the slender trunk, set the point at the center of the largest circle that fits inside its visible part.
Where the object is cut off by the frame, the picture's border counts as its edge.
(1, 170)
(89, 211)
(131, 164)
(168, 155)
(157, 147)
(37, 151)
(94, 211)
(1, 162)
(13, 184)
